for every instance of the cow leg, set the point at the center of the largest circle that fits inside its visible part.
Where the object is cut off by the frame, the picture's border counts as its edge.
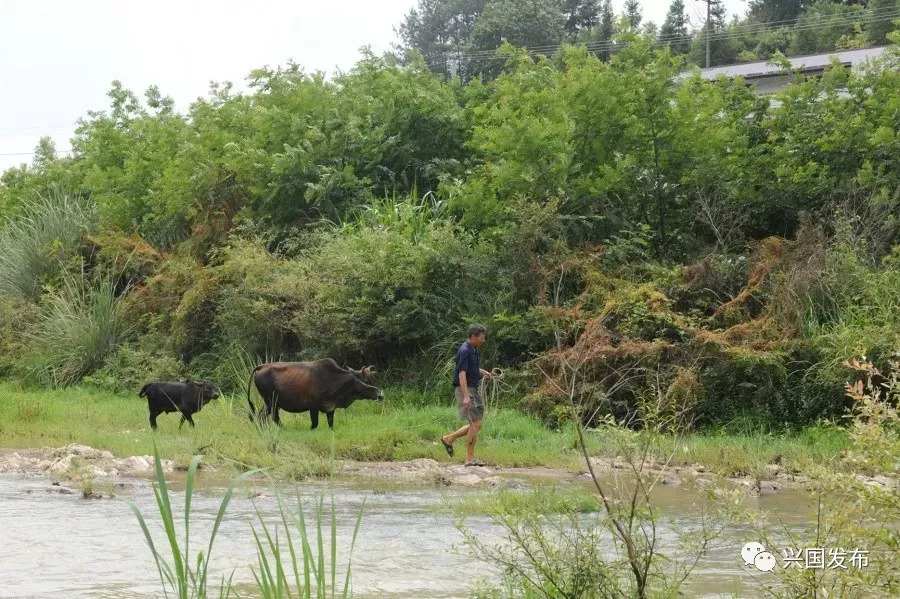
(330, 418)
(265, 412)
(153, 416)
(276, 415)
(189, 418)
(314, 419)
(181, 424)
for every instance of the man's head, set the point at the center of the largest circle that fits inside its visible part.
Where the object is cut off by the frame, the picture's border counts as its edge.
(477, 334)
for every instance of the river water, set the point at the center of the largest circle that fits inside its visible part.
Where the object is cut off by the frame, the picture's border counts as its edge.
(54, 545)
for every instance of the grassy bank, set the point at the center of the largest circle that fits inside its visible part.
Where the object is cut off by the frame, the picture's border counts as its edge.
(391, 431)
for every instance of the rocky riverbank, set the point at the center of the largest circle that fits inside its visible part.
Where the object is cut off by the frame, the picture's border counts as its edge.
(90, 468)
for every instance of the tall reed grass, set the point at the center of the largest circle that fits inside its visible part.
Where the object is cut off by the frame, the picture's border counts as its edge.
(33, 245)
(82, 323)
(280, 573)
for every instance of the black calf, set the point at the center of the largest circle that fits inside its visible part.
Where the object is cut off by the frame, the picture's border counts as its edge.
(187, 397)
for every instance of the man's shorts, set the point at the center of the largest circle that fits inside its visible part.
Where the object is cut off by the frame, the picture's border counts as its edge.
(476, 406)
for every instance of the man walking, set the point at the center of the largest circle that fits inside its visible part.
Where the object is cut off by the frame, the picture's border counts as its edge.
(466, 377)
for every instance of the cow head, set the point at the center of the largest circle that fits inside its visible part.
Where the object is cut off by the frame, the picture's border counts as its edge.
(206, 391)
(365, 390)
(366, 376)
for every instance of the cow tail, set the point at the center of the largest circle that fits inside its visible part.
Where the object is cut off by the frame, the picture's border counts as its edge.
(144, 390)
(250, 384)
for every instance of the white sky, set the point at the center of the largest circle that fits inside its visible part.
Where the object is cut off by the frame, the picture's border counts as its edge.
(58, 57)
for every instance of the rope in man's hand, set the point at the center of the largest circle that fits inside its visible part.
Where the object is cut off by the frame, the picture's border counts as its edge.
(496, 386)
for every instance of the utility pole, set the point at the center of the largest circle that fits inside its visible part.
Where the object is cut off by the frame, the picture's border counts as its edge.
(708, 28)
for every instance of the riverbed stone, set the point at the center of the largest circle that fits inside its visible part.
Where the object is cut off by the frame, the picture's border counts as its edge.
(670, 480)
(83, 451)
(64, 464)
(14, 462)
(424, 464)
(466, 480)
(876, 481)
(61, 490)
(768, 488)
(97, 472)
(143, 463)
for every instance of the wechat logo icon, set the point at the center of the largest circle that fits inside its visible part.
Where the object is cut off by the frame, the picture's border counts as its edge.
(755, 554)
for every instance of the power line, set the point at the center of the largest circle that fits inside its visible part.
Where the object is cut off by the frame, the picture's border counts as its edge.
(33, 153)
(50, 126)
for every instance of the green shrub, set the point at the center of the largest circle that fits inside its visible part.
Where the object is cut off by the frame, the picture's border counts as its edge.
(16, 319)
(379, 293)
(131, 366)
(34, 245)
(80, 326)
(740, 383)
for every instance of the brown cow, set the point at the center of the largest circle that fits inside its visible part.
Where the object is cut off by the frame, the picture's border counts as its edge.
(320, 386)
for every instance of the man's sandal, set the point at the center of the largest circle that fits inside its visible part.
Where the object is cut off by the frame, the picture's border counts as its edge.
(448, 447)
(475, 462)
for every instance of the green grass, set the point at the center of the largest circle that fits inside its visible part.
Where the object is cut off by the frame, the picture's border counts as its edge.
(539, 500)
(749, 454)
(389, 431)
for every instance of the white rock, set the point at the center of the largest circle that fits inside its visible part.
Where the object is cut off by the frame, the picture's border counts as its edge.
(63, 464)
(424, 464)
(467, 480)
(136, 463)
(97, 472)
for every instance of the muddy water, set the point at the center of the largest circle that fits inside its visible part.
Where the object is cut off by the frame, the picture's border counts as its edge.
(54, 545)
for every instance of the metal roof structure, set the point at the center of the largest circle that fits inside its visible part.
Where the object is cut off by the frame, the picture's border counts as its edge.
(769, 78)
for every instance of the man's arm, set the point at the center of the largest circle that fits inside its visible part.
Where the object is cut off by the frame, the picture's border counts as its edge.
(485, 374)
(464, 386)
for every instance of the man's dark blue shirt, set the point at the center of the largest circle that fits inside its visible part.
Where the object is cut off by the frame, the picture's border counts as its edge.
(467, 361)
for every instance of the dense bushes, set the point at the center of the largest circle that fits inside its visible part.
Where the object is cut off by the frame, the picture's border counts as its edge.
(677, 240)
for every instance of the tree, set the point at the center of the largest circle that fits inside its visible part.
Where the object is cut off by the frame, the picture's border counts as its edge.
(674, 32)
(722, 49)
(522, 23)
(633, 13)
(44, 153)
(880, 26)
(437, 29)
(580, 15)
(607, 27)
(823, 24)
(768, 11)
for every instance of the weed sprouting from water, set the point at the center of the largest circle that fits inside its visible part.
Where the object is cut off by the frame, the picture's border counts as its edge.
(274, 564)
(177, 576)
